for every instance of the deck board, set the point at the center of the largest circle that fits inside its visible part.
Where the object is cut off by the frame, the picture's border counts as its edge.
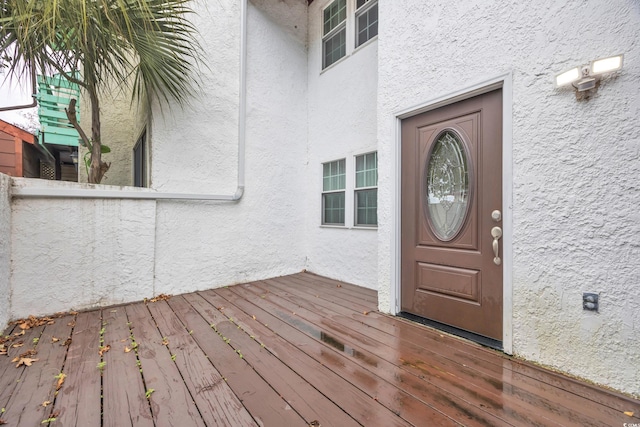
(215, 400)
(258, 397)
(298, 393)
(297, 350)
(122, 406)
(78, 401)
(169, 397)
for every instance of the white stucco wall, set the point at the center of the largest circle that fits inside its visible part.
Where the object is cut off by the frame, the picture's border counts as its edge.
(203, 245)
(342, 124)
(5, 249)
(575, 164)
(79, 253)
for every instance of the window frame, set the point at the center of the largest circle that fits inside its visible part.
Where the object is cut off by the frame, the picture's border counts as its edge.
(365, 188)
(342, 191)
(140, 161)
(340, 27)
(362, 10)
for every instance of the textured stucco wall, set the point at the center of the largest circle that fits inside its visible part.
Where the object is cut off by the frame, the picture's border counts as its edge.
(342, 124)
(5, 249)
(203, 245)
(575, 164)
(79, 253)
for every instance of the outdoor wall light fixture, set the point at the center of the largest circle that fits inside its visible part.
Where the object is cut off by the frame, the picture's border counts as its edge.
(586, 79)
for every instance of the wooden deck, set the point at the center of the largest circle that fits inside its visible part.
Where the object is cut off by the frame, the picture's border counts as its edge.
(294, 351)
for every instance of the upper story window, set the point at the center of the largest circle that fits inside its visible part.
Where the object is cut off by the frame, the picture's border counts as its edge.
(347, 25)
(334, 33)
(366, 20)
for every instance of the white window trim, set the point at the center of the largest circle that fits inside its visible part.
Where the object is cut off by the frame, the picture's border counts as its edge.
(356, 14)
(343, 25)
(349, 192)
(350, 33)
(344, 190)
(356, 189)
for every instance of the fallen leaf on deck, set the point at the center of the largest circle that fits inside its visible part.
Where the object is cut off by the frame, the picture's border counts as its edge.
(27, 361)
(629, 413)
(72, 324)
(17, 334)
(126, 349)
(314, 423)
(46, 403)
(67, 342)
(365, 312)
(165, 341)
(54, 339)
(104, 349)
(161, 297)
(254, 317)
(338, 286)
(60, 378)
(18, 344)
(29, 353)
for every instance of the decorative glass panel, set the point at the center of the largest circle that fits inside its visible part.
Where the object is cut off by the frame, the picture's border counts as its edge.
(448, 190)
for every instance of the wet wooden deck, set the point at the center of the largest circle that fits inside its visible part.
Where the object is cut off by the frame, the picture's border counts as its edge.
(294, 351)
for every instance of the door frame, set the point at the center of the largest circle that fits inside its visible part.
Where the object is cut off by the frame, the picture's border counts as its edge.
(504, 81)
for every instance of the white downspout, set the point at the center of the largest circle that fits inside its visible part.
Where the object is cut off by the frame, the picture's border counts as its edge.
(87, 193)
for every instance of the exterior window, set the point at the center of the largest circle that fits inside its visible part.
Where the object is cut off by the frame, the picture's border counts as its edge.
(140, 161)
(366, 20)
(366, 192)
(334, 39)
(333, 186)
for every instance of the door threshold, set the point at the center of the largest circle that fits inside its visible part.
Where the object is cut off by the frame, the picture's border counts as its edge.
(480, 339)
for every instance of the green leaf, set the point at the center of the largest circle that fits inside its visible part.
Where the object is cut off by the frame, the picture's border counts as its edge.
(104, 149)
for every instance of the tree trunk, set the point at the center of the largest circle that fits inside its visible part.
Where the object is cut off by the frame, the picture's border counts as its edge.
(98, 168)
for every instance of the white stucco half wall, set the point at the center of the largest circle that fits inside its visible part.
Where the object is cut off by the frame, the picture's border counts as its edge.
(78, 254)
(5, 249)
(575, 164)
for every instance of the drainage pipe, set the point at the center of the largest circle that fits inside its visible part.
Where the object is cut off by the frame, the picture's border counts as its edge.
(87, 193)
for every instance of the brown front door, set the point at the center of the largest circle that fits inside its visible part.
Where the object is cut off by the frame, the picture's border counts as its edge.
(451, 215)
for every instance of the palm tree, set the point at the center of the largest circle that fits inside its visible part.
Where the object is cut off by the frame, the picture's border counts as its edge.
(147, 46)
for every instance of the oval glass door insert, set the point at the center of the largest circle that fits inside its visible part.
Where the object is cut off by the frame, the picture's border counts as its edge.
(447, 186)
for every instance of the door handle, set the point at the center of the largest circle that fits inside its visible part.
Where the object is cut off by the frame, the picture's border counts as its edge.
(496, 233)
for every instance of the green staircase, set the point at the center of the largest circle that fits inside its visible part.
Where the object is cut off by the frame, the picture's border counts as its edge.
(54, 94)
